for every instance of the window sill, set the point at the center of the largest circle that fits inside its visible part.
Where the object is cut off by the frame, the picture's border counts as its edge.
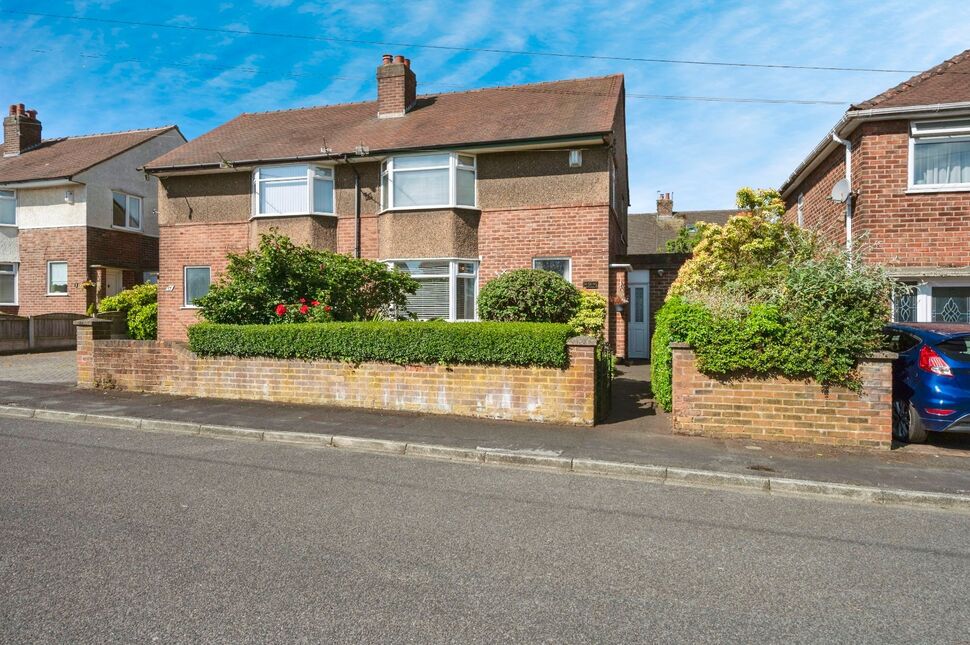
(285, 215)
(8, 226)
(57, 295)
(404, 209)
(126, 228)
(924, 190)
(189, 307)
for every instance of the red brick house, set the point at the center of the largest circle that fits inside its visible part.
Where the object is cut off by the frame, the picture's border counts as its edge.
(77, 216)
(904, 156)
(453, 188)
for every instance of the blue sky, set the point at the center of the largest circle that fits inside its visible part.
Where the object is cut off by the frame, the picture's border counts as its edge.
(90, 77)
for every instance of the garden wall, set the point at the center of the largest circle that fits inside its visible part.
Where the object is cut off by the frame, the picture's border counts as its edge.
(517, 393)
(781, 409)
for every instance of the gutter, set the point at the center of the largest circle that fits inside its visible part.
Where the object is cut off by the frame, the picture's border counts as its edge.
(851, 119)
(42, 183)
(212, 165)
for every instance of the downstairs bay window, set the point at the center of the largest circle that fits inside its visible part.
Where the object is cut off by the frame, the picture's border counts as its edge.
(447, 288)
(298, 189)
(940, 155)
(435, 180)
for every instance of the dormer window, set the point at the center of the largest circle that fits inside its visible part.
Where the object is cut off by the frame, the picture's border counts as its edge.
(298, 189)
(434, 180)
(940, 155)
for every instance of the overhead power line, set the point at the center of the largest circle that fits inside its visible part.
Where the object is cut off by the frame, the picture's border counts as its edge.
(490, 50)
(249, 69)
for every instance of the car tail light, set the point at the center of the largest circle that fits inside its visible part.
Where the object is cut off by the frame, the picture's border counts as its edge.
(930, 361)
(940, 412)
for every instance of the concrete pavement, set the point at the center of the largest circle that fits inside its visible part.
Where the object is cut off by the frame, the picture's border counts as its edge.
(110, 535)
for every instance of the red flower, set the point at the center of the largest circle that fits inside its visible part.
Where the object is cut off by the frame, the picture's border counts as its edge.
(315, 303)
(280, 310)
(303, 300)
(304, 309)
(328, 308)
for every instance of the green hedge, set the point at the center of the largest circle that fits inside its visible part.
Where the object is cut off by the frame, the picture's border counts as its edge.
(539, 344)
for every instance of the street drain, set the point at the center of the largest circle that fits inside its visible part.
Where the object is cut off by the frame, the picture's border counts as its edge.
(761, 469)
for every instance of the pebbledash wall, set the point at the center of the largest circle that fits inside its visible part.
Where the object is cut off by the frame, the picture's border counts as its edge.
(781, 409)
(516, 393)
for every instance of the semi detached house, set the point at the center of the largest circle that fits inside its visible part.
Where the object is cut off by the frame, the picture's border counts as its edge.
(902, 162)
(77, 216)
(452, 188)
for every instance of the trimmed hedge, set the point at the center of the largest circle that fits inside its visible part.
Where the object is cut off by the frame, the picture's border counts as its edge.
(524, 344)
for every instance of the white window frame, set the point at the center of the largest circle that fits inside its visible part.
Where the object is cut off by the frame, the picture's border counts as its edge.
(310, 172)
(569, 265)
(918, 131)
(388, 171)
(452, 276)
(67, 279)
(800, 209)
(12, 197)
(185, 283)
(15, 272)
(128, 198)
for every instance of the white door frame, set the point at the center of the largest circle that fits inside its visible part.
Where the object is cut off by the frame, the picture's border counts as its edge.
(634, 279)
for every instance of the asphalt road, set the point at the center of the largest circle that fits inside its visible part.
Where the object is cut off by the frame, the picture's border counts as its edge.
(121, 536)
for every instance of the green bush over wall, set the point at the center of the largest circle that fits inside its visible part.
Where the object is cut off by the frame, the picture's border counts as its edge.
(590, 317)
(538, 344)
(528, 295)
(140, 306)
(763, 297)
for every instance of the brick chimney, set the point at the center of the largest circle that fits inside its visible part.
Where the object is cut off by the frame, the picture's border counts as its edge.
(21, 130)
(665, 205)
(397, 87)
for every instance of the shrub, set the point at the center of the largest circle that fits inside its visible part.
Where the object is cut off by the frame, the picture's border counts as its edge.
(761, 296)
(279, 272)
(140, 306)
(528, 295)
(590, 317)
(540, 344)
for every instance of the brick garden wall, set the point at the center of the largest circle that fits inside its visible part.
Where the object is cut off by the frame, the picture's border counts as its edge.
(780, 409)
(516, 393)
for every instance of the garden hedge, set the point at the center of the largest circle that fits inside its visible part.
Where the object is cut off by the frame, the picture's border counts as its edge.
(523, 344)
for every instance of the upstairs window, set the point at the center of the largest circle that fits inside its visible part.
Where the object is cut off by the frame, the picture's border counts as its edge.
(8, 208)
(293, 190)
(940, 155)
(437, 180)
(126, 211)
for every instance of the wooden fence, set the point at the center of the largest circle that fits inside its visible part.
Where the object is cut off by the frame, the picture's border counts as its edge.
(37, 333)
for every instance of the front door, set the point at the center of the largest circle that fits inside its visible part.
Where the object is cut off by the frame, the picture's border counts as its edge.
(114, 279)
(638, 329)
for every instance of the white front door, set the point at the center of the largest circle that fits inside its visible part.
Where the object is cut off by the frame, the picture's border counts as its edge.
(638, 327)
(114, 279)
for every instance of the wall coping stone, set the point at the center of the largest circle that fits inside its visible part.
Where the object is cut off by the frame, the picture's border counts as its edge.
(92, 322)
(581, 341)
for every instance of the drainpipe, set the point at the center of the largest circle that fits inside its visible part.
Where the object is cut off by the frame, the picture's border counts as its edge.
(848, 179)
(356, 206)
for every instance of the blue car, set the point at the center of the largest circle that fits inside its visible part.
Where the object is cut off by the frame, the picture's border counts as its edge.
(931, 379)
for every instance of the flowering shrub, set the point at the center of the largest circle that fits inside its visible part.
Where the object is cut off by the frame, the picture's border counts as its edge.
(257, 282)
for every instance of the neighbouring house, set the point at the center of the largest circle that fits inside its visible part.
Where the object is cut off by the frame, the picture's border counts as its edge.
(453, 188)
(893, 179)
(77, 216)
(652, 268)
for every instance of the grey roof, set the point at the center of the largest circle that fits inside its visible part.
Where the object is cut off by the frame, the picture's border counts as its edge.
(648, 233)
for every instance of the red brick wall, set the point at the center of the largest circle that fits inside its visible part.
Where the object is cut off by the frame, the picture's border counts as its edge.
(780, 409)
(518, 393)
(184, 245)
(895, 228)
(38, 246)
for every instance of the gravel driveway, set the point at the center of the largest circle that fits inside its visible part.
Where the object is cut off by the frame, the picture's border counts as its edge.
(51, 367)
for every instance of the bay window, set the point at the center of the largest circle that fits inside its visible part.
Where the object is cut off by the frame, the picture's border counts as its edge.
(299, 189)
(447, 288)
(939, 155)
(8, 208)
(434, 180)
(951, 304)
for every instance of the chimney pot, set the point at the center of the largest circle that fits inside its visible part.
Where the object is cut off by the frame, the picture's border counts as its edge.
(20, 108)
(399, 59)
(32, 114)
(407, 63)
(387, 59)
(13, 109)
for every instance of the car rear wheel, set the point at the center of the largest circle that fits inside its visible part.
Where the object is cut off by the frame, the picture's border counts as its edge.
(907, 426)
